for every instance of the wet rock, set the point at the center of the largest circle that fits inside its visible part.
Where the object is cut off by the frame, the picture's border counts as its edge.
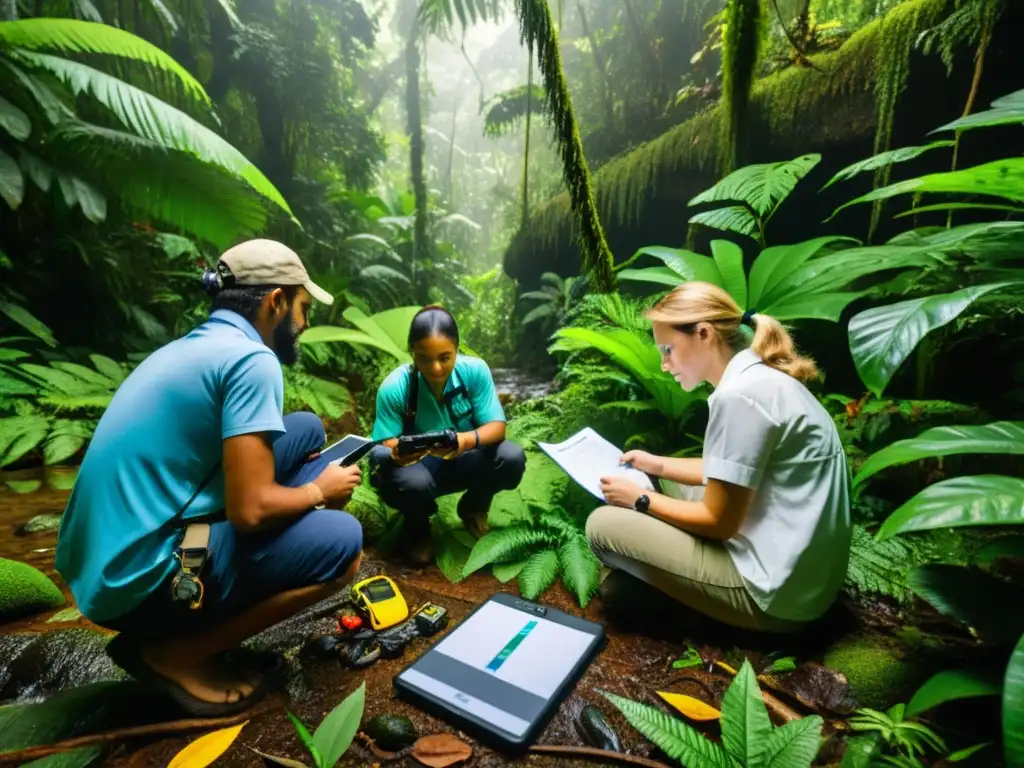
(35, 666)
(826, 691)
(514, 386)
(25, 590)
(391, 732)
(39, 524)
(880, 670)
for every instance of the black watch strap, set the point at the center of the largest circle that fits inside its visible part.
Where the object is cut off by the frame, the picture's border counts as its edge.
(642, 503)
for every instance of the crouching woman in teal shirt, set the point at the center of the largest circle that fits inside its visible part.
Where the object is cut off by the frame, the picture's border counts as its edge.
(441, 390)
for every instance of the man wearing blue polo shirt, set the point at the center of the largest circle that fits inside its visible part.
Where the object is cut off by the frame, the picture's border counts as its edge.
(193, 471)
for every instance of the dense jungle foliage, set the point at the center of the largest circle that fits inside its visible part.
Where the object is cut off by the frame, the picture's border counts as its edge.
(408, 149)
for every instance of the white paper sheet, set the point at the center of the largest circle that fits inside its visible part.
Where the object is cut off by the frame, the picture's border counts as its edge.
(587, 457)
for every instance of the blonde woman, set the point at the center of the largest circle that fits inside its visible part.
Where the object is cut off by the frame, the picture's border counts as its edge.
(756, 533)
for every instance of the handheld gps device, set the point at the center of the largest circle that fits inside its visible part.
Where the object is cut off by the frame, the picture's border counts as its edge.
(379, 599)
(409, 444)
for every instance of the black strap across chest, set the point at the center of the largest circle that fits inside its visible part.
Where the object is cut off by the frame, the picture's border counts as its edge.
(412, 403)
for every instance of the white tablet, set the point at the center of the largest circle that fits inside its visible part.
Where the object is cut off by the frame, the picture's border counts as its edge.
(504, 670)
(348, 450)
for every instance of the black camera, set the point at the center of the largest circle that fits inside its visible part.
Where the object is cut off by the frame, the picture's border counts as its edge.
(428, 441)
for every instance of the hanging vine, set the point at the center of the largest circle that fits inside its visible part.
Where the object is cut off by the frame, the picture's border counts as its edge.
(537, 30)
(742, 34)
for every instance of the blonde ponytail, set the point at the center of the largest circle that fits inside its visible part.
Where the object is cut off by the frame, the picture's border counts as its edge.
(773, 344)
(699, 302)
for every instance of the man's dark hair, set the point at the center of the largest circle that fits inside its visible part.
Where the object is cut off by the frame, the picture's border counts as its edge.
(246, 299)
(433, 321)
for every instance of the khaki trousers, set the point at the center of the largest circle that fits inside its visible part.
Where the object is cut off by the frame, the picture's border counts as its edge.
(695, 571)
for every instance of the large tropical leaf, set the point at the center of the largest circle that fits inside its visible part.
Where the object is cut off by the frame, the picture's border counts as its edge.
(389, 327)
(795, 743)
(972, 596)
(164, 184)
(729, 260)
(439, 17)
(1013, 706)
(773, 265)
(334, 735)
(322, 334)
(19, 435)
(762, 187)
(1005, 111)
(952, 685)
(1001, 178)
(156, 120)
(671, 735)
(995, 438)
(74, 36)
(686, 264)
(14, 121)
(745, 723)
(959, 502)
(12, 182)
(881, 338)
(28, 321)
(885, 159)
(657, 275)
(731, 218)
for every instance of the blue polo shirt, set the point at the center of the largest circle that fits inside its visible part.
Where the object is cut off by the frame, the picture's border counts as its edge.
(157, 441)
(469, 400)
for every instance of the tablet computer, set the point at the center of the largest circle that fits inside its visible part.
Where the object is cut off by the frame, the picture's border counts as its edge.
(503, 671)
(348, 450)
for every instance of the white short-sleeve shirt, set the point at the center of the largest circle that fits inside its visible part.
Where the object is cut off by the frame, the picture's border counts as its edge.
(767, 432)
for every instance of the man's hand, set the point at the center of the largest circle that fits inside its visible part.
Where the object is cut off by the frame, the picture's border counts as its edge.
(644, 461)
(337, 483)
(466, 442)
(620, 492)
(408, 460)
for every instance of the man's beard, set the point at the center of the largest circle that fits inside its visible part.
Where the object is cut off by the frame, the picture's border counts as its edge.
(286, 342)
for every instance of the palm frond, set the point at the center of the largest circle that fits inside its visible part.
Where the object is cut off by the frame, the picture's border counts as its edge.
(75, 36)
(156, 120)
(509, 107)
(438, 17)
(162, 183)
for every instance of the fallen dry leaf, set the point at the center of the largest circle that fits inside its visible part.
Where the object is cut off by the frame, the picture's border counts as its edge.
(441, 750)
(695, 709)
(824, 690)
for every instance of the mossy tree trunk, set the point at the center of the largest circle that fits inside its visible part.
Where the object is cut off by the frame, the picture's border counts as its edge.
(414, 127)
(537, 29)
(741, 49)
(525, 212)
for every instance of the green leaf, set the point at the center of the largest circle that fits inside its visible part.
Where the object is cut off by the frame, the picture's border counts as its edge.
(1004, 546)
(335, 733)
(1008, 110)
(24, 486)
(73, 36)
(815, 306)
(763, 186)
(729, 260)
(881, 338)
(322, 334)
(794, 744)
(14, 121)
(691, 658)
(538, 574)
(952, 685)
(40, 171)
(66, 438)
(505, 572)
(1002, 178)
(995, 438)
(450, 551)
(285, 761)
(773, 265)
(28, 321)
(390, 328)
(672, 736)
(886, 159)
(75, 758)
(505, 545)
(861, 751)
(109, 368)
(539, 313)
(12, 183)
(580, 568)
(687, 264)
(732, 218)
(962, 754)
(1013, 706)
(658, 275)
(67, 614)
(19, 435)
(156, 120)
(960, 207)
(972, 596)
(306, 739)
(745, 723)
(84, 195)
(959, 502)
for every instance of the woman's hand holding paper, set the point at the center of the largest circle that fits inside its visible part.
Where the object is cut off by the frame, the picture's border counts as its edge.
(620, 491)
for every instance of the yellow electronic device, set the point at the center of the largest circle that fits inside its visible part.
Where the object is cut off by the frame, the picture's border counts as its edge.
(378, 597)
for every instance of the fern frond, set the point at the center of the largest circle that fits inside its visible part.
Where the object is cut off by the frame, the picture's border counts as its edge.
(74, 36)
(882, 567)
(506, 545)
(438, 17)
(580, 568)
(19, 435)
(538, 574)
(67, 438)
(155, 120)
(509, 107)
(323, 397)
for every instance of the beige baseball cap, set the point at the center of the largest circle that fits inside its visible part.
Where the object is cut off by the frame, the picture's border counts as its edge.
(268, 262)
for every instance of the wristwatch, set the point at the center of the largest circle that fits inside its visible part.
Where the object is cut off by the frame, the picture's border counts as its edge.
(642, 503)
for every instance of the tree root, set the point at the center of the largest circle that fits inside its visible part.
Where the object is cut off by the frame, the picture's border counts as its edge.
(123, 734)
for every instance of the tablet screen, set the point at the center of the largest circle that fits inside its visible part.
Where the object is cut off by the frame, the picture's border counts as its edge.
(343, 448)
(502, 665)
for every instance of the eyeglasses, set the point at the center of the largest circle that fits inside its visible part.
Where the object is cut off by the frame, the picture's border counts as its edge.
(664, 349)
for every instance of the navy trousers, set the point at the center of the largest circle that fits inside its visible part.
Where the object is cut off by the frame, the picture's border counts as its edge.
(247, 568)
(413, 490)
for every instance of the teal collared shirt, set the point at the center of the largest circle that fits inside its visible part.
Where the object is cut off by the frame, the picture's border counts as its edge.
(157, 441)
(469, 400)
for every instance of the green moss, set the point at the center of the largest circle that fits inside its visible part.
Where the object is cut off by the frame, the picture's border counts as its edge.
(789, 110)
(881, 671)
(24, 590)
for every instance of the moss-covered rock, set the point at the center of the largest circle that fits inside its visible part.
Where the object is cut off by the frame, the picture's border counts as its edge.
(881, 671)
(24, 590)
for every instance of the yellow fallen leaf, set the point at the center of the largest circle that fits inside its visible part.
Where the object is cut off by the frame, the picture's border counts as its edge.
(695, 709)
(727, 668)
(204, 750)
